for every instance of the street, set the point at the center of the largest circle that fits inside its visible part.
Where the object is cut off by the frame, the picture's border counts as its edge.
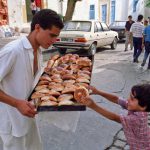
(113, 71)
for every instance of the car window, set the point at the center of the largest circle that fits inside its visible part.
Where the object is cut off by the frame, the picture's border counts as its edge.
(78, 26)
(104, 26)
(98, 27)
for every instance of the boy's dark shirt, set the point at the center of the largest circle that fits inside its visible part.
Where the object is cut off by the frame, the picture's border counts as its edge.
(128, 25)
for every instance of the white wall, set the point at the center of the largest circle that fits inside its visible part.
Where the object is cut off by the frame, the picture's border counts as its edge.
(15, 12)
(121, 11)
(95, 2)
(81, 9)
(139, 9)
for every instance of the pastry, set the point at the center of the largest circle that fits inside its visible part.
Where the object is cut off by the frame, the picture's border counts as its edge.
(80, 93)
(65, 102)
(65, 97)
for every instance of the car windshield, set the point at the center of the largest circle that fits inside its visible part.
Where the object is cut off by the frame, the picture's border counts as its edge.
(119, 23)
(77, 26)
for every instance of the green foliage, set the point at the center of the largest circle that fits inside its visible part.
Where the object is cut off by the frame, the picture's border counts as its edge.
(147, 3)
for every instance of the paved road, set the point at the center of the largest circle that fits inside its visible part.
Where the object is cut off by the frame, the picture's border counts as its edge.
(114, 72)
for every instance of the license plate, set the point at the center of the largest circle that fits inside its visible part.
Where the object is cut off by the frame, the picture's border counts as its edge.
(67, 39)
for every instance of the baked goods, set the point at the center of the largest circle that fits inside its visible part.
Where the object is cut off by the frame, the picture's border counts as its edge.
(64, 80)
(80, 93)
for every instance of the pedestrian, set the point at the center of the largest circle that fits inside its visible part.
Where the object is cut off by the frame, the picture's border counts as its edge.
(38, 4)
(145, 23)
(19, 65)
(137, 29)
(33, 7)
(135, 122)
(129, 38)
(147, 46)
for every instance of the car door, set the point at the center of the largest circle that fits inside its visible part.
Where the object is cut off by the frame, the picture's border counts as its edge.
(99, 34)
(108, 34)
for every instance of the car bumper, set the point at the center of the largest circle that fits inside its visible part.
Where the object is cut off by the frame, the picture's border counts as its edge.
(72, 45)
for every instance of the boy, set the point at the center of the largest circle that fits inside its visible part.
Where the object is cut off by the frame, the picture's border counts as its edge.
(135, 123)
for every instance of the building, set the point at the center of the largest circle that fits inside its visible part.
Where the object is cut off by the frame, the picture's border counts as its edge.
(108, 10)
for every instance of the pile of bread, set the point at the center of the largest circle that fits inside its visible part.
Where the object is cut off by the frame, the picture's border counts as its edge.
(61, 78)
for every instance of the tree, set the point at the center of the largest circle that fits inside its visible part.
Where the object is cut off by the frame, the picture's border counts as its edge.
(70, 9)
(147, 3)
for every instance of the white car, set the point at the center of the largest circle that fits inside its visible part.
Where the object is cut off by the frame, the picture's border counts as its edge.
(86, 35)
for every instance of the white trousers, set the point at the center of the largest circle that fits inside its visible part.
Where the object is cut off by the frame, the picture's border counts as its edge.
(31, 141)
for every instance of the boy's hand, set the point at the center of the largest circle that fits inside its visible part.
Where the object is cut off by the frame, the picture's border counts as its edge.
(92, 90)
(26, 108)
(86, 101)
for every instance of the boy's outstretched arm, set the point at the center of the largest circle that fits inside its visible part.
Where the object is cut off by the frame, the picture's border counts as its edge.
(104, 112)
(110, 97)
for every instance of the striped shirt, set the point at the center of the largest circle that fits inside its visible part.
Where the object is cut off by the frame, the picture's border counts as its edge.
(136, 129)
(137, 29)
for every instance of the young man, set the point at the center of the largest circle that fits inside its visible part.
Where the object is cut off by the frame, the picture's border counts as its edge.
(129, 38)
(19, 63)
(137, 29)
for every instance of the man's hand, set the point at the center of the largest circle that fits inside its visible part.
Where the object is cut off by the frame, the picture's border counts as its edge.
(92, 90)
(26, 108)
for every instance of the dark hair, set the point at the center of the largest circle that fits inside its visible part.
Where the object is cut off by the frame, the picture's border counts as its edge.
(140, 17)
(32, 1)
(46, 18)
(142, 93)
(129, 16)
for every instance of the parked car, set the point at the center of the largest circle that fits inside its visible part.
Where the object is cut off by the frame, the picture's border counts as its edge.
(86, 35)
(118, 26)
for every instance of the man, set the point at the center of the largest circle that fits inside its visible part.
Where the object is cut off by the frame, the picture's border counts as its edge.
(147, 46)
(137, 32)
(129, 38)
(19, 64)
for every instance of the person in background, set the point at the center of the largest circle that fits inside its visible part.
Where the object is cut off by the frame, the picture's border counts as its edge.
(33, 7)
(20, 63)
(146, 43)
(136, 30)
(145, 23)
(129, 38)
(38, 4)
(135, 122)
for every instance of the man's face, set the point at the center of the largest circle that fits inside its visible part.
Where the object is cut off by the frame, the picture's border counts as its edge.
(46, 38)
(130, 18)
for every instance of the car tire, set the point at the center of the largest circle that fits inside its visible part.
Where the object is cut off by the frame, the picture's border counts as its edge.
(92, 49)
(62, 50)
(114, 44)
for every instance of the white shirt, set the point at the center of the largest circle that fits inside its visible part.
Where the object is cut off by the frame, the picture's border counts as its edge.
(137, 29)
(16, 79)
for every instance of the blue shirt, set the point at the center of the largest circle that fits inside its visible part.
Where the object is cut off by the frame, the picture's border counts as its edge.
(147, 33)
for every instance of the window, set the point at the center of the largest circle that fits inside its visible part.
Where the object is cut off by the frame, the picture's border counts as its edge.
(113, 3)
(104, 26)
(134, 5)
(92, 12)
(98, 27)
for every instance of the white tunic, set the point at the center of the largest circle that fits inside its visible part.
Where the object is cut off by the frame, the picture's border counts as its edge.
(16, 79)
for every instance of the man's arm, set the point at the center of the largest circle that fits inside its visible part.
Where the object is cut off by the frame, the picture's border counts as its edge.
(23, 106)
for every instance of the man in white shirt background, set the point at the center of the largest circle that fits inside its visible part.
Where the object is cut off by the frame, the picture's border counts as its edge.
(137, 29)
(19, 64)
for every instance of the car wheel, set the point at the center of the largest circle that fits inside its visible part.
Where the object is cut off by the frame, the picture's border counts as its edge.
(114, 44)
(62, 50)
(92, 49)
